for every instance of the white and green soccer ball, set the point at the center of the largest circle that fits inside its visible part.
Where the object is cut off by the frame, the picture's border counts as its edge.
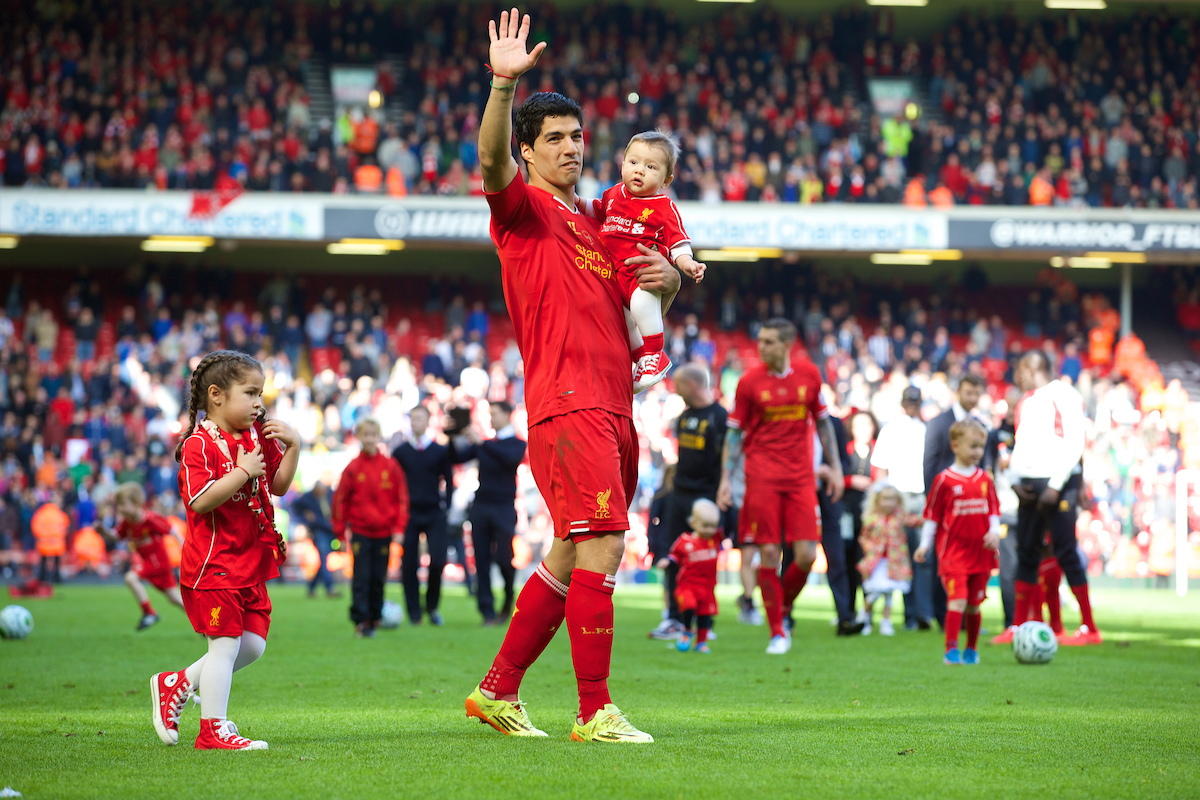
(390, 616)
(1034, 643)
(15, 622)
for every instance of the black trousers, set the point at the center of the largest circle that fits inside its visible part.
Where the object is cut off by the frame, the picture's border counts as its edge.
(1032, 526)
(370, 575)
(835, 557)
(432, 523)
(493, 526)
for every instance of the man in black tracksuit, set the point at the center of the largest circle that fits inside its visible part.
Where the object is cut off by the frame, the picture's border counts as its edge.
(493, 514)
(428, 470)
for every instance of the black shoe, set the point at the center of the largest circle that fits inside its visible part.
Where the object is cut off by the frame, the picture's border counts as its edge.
(489, 622)
(435, 618)
(146, 621)
(847, 628)
(924, 624)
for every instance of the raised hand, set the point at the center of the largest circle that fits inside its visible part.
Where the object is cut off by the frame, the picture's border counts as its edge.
(507, 52)
(276, 429)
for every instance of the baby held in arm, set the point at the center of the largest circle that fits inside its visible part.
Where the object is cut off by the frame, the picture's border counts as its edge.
(634, 212)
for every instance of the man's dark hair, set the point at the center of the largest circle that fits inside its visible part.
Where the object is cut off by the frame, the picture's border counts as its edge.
(783, 327)
(1040, 362)
(973, 380)
(533, 112)
(504, 406)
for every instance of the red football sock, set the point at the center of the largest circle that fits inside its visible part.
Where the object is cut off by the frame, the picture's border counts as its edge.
(147, 608)
(1024, 594)
(654, 343)
(768, 584)
(702, 635)
(953, 626)
(1085, 605)
(590, 624)
(537, 615)
(973, 623)
(1035, 602)
(1051, 577)
(794, 580)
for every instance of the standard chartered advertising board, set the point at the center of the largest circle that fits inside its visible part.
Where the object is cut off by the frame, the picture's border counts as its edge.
(827, 227)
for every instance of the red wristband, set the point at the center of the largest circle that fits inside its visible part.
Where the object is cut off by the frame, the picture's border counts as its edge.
(243, 469)
(497, 74)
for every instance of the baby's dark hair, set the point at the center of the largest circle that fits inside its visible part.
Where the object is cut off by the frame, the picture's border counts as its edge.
(220, 368)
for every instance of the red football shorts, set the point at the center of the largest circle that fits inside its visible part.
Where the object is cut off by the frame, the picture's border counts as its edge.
(159, 580)
(972, 587)
(229, 612)
(771, 516)
(585, 464)
(627, 280)
(155, 568)
(702, 601)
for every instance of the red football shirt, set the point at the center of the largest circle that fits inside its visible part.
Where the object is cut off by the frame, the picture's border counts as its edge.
(147, 538)
(629, 221)
(224, 548)
(961, 505)
(776, 413)
(697, 560)
(560, 285)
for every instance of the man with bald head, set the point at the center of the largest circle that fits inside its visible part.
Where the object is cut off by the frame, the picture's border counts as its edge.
(700, 432)
(1047, 479)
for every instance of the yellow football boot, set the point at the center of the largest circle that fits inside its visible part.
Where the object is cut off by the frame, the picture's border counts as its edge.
(508, 718)
(609, 725)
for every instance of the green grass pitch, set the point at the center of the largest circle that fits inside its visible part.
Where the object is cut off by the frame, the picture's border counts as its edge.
(862, 718)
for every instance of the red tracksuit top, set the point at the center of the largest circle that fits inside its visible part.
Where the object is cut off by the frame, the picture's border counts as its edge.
(371, 498)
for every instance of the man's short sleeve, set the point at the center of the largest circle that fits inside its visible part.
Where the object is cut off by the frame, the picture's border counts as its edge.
(742, 406)
(881, 454)
(510, 204)
(197, 470)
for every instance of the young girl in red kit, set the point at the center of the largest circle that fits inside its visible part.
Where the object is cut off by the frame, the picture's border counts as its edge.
(371, 502)
(231, 462)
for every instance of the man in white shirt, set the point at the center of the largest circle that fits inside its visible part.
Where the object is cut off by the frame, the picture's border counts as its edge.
(1046, 464)
(899, 456)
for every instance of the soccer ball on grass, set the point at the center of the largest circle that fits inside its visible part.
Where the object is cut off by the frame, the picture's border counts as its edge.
(391, 615)
(1034, 643)
(15, 622)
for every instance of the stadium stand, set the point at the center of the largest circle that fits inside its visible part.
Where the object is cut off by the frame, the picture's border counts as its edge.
(767, 106)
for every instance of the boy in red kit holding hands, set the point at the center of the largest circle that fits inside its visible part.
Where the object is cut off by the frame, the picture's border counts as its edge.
(695, 586)
(144, 531)
(633, 212)
(962, 512)
(372, 502)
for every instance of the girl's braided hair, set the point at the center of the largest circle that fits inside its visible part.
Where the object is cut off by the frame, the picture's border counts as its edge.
(221, 368)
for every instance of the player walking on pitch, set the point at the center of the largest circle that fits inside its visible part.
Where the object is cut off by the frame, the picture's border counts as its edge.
(774, 408)
(562, 293)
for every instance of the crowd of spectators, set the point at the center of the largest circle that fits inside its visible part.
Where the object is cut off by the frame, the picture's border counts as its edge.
(92, 382)
(768, 105)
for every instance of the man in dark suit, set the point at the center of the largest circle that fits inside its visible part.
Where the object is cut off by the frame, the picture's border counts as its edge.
(428, 468)
(493, 513)
(939, 456)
